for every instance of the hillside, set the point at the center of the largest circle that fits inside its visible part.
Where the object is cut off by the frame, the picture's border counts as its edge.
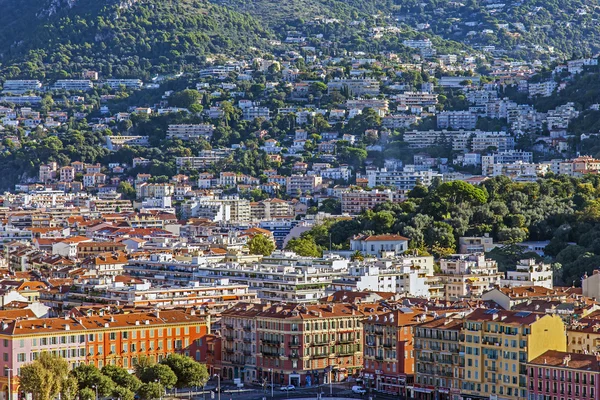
(518, 28)
(120, 39)
(276, 12)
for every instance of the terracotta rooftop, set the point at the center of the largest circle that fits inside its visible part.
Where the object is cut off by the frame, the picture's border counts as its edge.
(553, 358)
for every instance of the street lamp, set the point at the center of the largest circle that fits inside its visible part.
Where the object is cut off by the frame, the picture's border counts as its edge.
(158, 381)
(218, 386)
(9, 370)
(96, 387)
(271, 371)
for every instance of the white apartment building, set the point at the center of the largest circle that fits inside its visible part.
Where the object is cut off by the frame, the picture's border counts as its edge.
(504, 157)
(190, 131)
(128, 83)
(529, 273)
(251, 113)
(405, 179)
(356, 87)
(21, 86)
(408, 275)
(417, 99)
(542, 89)
(281, 277)
(456, 120)
(73, 84)
(117, 142)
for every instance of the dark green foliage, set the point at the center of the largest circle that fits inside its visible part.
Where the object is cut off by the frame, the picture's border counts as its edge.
(146, 38)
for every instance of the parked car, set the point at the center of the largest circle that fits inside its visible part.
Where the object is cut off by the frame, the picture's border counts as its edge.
(358, 390)
(287, 387)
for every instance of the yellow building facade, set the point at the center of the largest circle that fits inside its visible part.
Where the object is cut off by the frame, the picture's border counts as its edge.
(497, 345)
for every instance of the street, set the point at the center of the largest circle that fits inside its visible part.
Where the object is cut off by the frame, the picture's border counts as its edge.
(250, 392)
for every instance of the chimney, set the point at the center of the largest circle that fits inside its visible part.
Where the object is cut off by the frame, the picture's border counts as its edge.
(566, 360)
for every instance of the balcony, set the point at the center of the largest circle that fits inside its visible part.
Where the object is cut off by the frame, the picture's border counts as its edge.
(389, 345)
(345, 340)
(294, 355)
(270, 353)
(247, 340)
(322, 355)
(293, 344)
(247, 328)
(379, 358)
(247, 353)
(274, 342)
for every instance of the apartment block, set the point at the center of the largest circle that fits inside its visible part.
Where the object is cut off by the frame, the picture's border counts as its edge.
(356, 87)
(301, 345)
(564, 375)
(468, 275)
(498, 345)
(190, 131)
(103, 339)
(530, 273)
(439, 360)
(456, 120)
(389, 356)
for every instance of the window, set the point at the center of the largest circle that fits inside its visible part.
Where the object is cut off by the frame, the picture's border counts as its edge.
(21, 357)
(113, 336)
(125, 335)
(100, 350)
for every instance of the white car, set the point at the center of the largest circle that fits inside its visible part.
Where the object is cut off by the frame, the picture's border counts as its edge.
(358, 390)
(287, 387)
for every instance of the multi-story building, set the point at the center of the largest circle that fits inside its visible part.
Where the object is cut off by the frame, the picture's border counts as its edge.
(356, 87)
(557, 374)
(251, 113)
(356, 201)
(408, 275)
(117, 142)
(283, 277)
(270, 209)
(389, 358)
(190, 131)
(468, 275)
(205, 159)
(303, 184)
(529, 273)
(456, 120)
(301, 345)
(417, 99)
(21, 86)
(105, 339)
(439, 360)
(475, 244)
(73, 84)
(405, 179)
(497, 346)
(128, 83)
(505, 157)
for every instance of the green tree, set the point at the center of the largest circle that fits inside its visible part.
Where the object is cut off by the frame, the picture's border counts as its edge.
(45, 377)
(260, 244)
(161, 373)
(150, 391)
(304, 246)
(189, 372)
(121, 377)
(185, 99)
(127, 190)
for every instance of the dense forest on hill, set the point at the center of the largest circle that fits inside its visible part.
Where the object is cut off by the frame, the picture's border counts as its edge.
(137, 39)
(557, 208)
